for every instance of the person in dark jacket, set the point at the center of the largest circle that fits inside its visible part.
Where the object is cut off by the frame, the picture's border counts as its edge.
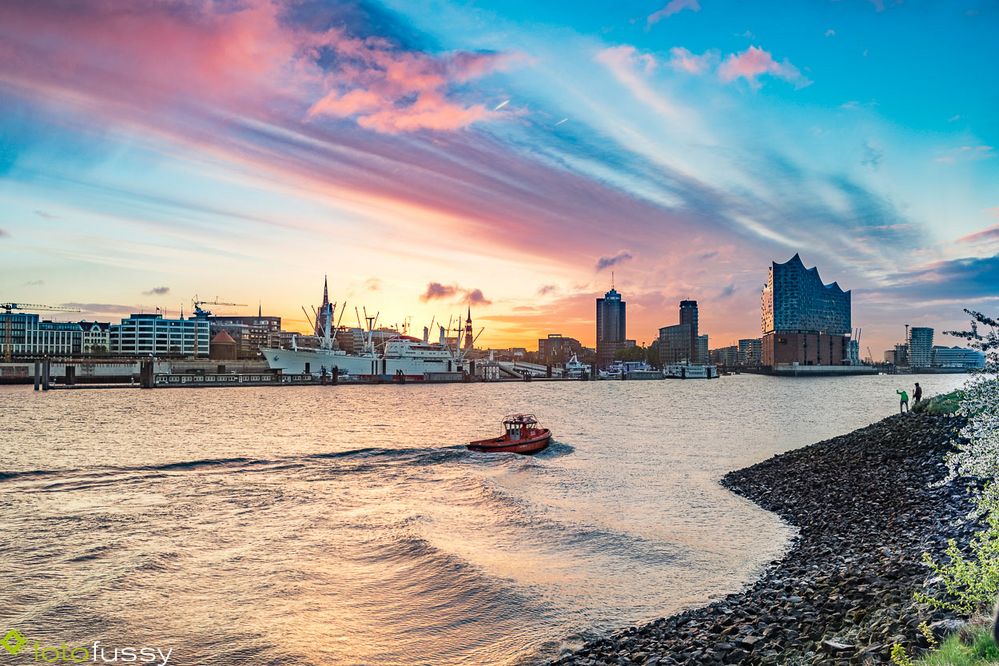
(917, 395)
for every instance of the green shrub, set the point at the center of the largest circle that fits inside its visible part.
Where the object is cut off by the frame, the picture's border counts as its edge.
(971, 582)
(940, 404)
(981, 649)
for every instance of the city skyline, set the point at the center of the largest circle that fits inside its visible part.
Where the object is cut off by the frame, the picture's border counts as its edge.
(431, 156)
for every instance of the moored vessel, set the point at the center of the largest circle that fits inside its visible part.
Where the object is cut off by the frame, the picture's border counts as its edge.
(691, 371)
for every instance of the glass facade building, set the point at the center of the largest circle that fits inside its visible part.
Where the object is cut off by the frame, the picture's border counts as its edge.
(611, 327)
(920, 347)
(795, 299)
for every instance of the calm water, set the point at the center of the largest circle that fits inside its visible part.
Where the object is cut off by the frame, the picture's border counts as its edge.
(348, 525)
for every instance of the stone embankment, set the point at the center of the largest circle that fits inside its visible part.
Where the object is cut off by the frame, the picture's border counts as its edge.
(867, 510)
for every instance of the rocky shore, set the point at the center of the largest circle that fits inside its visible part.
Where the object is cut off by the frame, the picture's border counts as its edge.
(843, 594)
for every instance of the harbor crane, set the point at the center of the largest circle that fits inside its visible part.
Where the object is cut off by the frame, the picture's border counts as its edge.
(8, 308)
(199, 312)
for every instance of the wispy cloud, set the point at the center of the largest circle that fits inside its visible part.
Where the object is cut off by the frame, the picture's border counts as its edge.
(45, 215)
(34, 283)
(728, 291)
(547, 289)
(101, 308)
(872, 156)
(606, 262)
(629, 67)
(755, 62)
(157, 291)
(830, 33)
(951, 280)
(392, 91)
(683, 60)
(476, 297)
(965, 153)
(989, 235)
(437, 291)
(671, 8)
(4, 234)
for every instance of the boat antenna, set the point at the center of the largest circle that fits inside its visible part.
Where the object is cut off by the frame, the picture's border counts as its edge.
(308, 319)
(343, 308)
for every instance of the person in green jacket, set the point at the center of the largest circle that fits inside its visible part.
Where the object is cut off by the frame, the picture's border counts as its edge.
(903, 401)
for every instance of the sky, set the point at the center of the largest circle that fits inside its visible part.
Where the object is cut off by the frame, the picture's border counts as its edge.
(511, 156)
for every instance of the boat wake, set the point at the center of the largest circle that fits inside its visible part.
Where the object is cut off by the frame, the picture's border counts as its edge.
(370, 455)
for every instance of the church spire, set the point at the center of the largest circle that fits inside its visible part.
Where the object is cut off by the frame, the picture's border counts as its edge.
(469, 338)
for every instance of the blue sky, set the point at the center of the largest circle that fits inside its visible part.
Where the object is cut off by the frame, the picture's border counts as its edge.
(512, 152)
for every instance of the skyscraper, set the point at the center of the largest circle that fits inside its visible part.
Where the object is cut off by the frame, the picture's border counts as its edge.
(920, 347)
(611, 327)
(688, 316)
(681, 343)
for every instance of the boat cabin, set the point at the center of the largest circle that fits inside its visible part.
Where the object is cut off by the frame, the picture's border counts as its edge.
(520, 426)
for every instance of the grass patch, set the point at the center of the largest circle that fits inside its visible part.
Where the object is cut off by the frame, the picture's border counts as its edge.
(940, 404)
(979, 649)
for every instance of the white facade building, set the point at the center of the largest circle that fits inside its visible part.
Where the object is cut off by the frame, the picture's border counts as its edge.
(151, 334)
(96, 337)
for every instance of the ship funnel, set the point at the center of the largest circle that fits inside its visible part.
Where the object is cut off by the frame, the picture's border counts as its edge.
(426, 334)
(443, 339)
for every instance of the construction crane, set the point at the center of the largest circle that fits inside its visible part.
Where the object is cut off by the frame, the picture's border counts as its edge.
(8, 308)
(200, 313)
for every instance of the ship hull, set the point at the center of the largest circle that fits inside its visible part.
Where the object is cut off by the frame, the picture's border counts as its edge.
(319, 362)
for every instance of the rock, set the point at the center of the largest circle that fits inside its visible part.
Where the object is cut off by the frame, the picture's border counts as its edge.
(866, 510)
(836, 647)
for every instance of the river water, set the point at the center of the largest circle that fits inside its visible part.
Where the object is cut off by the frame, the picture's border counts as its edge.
(316, 525)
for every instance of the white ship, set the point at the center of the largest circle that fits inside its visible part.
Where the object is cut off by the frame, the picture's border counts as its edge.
(691, 371)
(574, 369)
(402, 358)
(630, 370)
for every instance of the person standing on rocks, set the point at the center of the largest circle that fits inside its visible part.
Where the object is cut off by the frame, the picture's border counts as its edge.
(917, 395)
(903, 401)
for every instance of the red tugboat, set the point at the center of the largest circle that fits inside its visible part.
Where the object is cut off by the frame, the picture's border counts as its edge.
(523, 435)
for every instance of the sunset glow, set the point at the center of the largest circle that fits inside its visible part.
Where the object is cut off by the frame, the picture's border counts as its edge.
(512, 154)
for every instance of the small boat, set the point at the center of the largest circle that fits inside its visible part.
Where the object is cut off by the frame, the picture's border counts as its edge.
(523, 435)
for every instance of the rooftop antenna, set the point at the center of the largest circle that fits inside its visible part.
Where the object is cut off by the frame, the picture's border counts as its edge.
(612, 279)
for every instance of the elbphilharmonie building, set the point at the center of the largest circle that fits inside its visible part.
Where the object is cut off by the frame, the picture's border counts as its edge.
(795, 299)
(805, 322)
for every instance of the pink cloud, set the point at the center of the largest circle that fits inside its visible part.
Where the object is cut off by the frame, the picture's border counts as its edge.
(685, 61)
(151, 55)
(755, 62)
(673, 7)
(989, 235)
(394, 91)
